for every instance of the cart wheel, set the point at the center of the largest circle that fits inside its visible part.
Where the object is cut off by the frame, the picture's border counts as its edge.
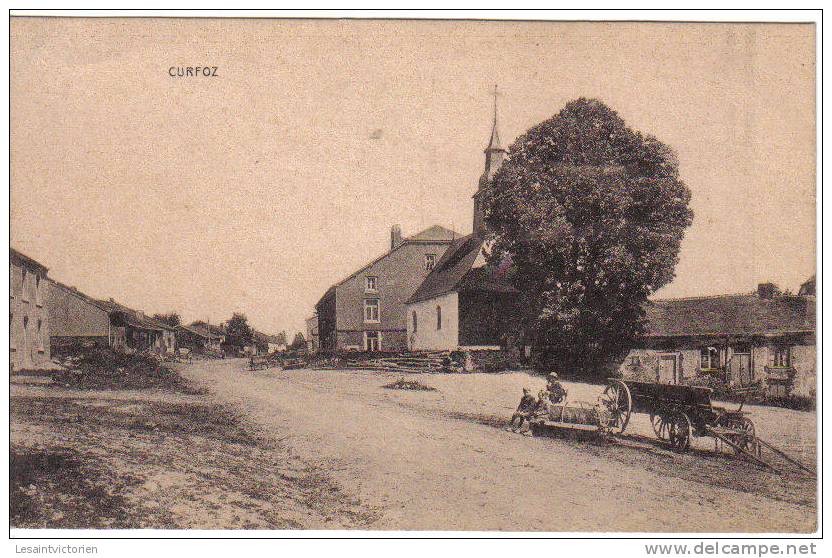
(617, 400)
(679, 431)
(659, 424)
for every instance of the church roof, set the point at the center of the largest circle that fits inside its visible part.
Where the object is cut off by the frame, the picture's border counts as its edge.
(494, 142)
(455, 271)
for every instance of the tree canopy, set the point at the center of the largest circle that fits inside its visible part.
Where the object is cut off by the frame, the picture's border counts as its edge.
(299, 342)
(592, 214)
(171, 318)
(238, 327)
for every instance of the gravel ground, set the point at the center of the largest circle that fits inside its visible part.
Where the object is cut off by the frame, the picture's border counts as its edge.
(130, 459)
(441, 460)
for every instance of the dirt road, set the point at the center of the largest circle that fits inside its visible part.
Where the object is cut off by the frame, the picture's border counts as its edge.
(441, 461)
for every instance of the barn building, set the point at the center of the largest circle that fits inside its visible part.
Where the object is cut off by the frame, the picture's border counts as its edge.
(762, 339)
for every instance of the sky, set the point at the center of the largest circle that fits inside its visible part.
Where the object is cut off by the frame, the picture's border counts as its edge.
(257, 189)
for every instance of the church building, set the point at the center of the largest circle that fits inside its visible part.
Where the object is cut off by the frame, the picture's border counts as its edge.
(465, 303)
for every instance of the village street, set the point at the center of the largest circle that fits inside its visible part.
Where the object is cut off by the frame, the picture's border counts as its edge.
(441, 460)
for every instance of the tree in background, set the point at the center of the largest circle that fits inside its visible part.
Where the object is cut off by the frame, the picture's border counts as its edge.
(238, 328)
(299, 342)
(282, 339)
(172, 318)
(592, 214)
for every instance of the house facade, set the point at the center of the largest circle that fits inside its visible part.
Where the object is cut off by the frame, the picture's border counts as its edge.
(763, 339)
(366, 311)
(29, 343)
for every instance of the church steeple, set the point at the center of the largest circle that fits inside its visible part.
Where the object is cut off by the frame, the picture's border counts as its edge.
(494, 155)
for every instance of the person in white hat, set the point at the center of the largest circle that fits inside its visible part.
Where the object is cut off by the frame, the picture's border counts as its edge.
(557, 393)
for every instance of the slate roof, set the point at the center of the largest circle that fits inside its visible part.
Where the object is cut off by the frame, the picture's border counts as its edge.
(744, 314)
(454, 272)
(436, 233)
(23, 258)
(194, 331)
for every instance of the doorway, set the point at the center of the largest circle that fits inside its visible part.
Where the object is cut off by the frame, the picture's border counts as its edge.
(740, 369)
(668, 370)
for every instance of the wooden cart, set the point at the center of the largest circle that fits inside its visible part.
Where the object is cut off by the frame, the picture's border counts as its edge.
(678, 413)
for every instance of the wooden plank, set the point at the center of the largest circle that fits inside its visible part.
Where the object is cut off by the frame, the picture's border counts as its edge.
(783, 454)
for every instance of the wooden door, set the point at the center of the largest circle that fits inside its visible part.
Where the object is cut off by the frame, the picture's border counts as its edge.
(741, 369)
(668, 370)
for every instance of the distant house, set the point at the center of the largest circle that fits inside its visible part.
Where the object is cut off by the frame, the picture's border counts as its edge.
(193, 339)
(133, 331)
(763, 338)
(214, 333)
(29, 343)
(312, 340)
(366, 311)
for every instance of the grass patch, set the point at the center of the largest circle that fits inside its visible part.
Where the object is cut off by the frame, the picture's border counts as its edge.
(103, 368)
(411, 385)
(61, 488)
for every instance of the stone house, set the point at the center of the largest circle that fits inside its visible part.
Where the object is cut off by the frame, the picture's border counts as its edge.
(29, 343)
(765, 339)
(366, 310)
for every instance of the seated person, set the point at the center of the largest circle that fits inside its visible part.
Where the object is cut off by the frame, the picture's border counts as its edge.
(557, 393)
(527, 406)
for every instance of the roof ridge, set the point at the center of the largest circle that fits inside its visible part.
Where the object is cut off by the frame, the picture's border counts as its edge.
(703, 297)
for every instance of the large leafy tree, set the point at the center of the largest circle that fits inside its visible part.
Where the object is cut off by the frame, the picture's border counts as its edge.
(238, 328)
(592, 214)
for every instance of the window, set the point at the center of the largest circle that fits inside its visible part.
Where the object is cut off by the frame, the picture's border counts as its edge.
(11, 332)
(371, 284)
(430, 261)
(709, 357)
(23, 296)
(25, 331)
(371, 310)
(415, 323)
(38, 301)
(39, 338)
(438, 317)
(782, 357)
(372, 341)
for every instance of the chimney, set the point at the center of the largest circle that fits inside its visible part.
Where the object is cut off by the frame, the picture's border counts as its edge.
(767, 290)
(395, 236)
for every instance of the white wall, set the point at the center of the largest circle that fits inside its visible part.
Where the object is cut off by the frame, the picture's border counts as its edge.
(427, 337)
